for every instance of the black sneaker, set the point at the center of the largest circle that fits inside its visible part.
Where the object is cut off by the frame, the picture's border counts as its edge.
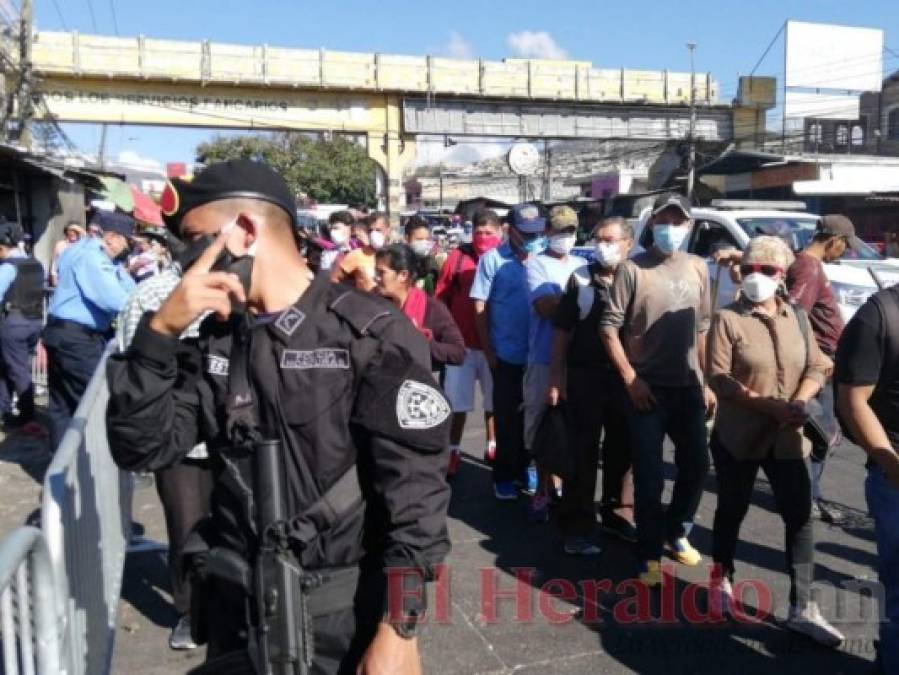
(181, 638)
(616, 526)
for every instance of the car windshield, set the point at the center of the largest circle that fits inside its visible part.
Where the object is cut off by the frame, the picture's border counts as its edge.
(799, 233)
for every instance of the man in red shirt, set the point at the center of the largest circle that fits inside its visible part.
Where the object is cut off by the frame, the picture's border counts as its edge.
(453, 288)
(810, 289)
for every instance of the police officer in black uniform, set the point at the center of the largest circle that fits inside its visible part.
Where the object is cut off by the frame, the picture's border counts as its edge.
(22, 291)
(340, 378)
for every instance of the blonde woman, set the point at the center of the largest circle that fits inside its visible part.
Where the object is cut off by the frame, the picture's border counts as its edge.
(764, 366)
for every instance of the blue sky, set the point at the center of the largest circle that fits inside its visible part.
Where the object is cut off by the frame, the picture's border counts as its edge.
(731, 36)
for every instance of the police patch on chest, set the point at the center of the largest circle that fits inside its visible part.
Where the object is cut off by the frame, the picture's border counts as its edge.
(289, 321)
(216, 365)
(306, 359)
(419, 406)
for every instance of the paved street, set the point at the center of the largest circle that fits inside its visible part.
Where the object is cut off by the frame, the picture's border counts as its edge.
(491, 539)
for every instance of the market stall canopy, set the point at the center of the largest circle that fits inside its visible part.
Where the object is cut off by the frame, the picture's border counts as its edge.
(145, 209)
(118, 192)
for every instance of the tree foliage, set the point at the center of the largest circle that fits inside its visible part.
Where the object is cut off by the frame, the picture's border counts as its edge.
(328, 171)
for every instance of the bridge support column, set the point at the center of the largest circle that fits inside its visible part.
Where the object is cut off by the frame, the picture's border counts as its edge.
(393, 152)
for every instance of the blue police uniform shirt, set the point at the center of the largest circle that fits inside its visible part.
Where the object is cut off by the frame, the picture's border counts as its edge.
(91, 290)
(8, 273)
(502, 282)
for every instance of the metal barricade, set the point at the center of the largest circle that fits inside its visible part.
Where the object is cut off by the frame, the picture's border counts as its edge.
(86, 518)
(31, 613)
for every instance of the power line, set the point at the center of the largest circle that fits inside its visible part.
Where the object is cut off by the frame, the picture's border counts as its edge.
(59, 14)
(767, 49)
(115, 19)
(90, 8)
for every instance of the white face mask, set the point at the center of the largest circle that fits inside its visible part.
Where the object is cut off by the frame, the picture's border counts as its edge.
(669, 237)
(607, 255)
(422, 247)
(758, 287)
(377, 239)
(339, 237)
(562, 243)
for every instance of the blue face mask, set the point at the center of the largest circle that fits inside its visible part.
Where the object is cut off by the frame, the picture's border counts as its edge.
(535, 246)
(668, 238)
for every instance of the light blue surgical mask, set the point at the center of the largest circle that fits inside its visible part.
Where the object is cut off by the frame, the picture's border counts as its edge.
(668, 237)
(535, 246)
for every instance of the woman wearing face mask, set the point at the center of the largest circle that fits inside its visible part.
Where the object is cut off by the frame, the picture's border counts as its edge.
(765, 366)
(395, 274)
(418, 237)
(357, 268)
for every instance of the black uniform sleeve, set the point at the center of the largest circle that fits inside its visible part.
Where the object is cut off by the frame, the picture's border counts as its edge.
(152, 414)
(401, 410)
(860, 353)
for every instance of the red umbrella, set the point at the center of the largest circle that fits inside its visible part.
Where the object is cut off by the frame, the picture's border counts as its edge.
(145, 209)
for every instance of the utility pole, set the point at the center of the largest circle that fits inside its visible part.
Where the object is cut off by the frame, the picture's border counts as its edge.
(25, 104)
(691, 162)
(547, 172)
(101, 152)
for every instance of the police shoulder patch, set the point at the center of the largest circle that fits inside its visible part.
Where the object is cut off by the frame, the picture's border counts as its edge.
(420, 406)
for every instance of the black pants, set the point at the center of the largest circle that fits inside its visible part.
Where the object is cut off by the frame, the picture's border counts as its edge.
(508, 395)
(340, 638)
(597, 402)
(790, 483)
(679, 412)
(72, 356)
(18, 338)
(185, 490)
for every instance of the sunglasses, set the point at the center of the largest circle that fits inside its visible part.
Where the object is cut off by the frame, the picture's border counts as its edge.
(768, 270)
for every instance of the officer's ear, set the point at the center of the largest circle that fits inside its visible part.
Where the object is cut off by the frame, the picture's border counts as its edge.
(248, 229)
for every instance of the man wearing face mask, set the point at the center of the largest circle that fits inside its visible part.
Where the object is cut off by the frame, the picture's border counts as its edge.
(92, 289)
(810, 289)
(417, 234)
(454, 289)
(502, 317)
(654, 331)
(340, 225)
(547, 275)
(357, 268)
(582, 374)
(340, 378)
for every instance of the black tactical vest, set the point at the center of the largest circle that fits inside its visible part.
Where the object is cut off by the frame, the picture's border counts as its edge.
(26, 294)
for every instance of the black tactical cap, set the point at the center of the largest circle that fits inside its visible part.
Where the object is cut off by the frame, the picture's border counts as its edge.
(674, 199)
(234, 179)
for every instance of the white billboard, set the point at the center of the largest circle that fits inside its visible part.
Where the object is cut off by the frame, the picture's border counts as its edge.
(824, 56)
(822, 106)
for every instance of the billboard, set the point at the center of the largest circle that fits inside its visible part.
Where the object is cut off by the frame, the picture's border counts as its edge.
(824, 56)
(822, 106)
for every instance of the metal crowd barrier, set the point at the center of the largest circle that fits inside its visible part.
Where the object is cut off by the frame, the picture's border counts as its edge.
(86, 519)
(31, 612)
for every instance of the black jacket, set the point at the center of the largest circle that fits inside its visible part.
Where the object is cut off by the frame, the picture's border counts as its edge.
(342, 378)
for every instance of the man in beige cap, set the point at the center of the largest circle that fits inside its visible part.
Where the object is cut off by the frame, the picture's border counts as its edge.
(548, 273)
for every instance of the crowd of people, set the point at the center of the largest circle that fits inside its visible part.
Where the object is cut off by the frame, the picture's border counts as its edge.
(611, 355)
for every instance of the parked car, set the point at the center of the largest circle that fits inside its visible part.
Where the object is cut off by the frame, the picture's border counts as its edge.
(731, 224)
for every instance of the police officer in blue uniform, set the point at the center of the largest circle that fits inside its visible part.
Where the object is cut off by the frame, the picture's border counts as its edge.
(22, 291)
(92, 289)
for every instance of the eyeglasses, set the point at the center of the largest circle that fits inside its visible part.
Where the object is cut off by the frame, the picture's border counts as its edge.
(768, 270)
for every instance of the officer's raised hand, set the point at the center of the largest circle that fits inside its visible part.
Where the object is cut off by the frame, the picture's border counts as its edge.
(201, 290)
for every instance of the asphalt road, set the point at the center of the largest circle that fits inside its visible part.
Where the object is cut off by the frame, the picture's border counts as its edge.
(536, 632)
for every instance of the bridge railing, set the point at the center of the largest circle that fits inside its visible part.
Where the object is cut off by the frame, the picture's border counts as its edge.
(217, 63)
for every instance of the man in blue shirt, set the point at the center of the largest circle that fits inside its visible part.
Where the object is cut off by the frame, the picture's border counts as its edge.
(502, 315)
(92, 289)
(22, 293)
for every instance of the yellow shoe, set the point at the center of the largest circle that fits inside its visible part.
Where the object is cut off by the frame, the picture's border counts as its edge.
(682, 551)
(651, 573)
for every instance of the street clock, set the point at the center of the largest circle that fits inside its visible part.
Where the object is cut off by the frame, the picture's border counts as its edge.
(524, 159)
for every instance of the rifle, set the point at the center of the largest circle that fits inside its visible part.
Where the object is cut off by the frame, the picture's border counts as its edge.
(283, 629)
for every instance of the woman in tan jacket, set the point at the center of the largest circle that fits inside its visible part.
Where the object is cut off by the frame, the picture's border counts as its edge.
(764, 366)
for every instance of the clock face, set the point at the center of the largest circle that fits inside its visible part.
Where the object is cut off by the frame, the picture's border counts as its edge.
(524, 159)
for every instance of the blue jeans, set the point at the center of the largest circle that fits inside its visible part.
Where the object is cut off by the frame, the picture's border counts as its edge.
(680, 413)
(883, 504)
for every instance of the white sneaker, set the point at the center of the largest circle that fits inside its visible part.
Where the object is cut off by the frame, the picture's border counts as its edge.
(810, 623)
(721, 597)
